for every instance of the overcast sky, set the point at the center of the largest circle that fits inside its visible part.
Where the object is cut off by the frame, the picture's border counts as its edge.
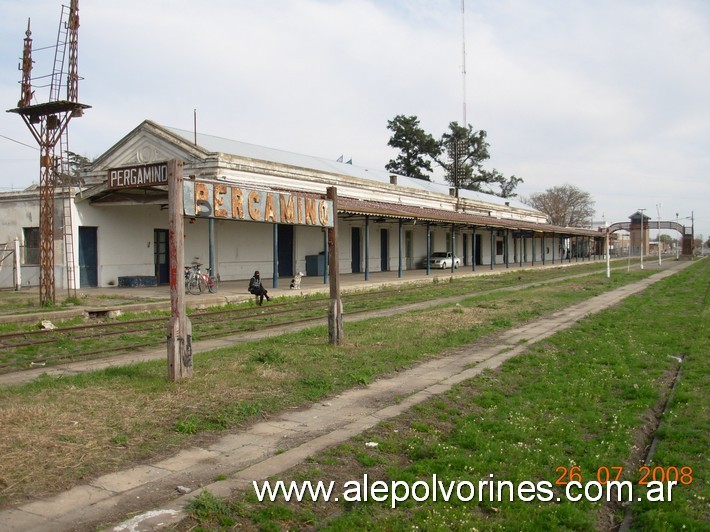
(610, 95)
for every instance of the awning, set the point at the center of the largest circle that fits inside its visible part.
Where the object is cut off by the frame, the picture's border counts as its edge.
(427, 214)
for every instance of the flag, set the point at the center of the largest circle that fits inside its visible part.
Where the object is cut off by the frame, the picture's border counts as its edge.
(340, 159)
(350, 161)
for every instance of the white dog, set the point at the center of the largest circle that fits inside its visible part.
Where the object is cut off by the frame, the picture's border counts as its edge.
(296, 281)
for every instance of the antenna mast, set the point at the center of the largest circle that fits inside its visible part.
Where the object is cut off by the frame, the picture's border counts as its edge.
(463, 62)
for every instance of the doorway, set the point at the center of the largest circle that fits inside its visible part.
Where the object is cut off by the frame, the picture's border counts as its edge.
(409, 249)
(464, 242)
(384, 250)
(88, 257)
(355, 250)
(285, 236)
(479, 254)
(161, 256)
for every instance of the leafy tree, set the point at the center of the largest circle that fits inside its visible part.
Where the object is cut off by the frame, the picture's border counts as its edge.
(466, 150)
(461, 152)
(77, 163)
(565, 205)
(507, 185)
(417, 148)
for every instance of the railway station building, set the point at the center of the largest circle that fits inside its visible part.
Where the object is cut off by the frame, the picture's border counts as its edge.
(119, 221)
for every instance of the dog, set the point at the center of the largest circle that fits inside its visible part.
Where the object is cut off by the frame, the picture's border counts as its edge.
(296, 281)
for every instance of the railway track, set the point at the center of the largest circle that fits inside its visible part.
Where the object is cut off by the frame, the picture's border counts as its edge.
(30, 348)
(45, 347)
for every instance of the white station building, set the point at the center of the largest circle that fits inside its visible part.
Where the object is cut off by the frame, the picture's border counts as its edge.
(119, 217)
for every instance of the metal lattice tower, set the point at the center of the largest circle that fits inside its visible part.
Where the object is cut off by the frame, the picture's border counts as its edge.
(48, 124)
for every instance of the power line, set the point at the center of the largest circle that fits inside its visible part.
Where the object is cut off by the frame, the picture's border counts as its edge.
(22, 143)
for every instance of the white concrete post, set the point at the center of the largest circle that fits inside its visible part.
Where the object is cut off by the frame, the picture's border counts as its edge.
(16, 270)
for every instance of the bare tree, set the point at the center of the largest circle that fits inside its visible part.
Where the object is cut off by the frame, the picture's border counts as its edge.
(565, 205)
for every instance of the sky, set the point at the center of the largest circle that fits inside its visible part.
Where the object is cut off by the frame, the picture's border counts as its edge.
(612, 96)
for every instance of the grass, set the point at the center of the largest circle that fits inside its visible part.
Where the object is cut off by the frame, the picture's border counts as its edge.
(589, 397)
(27, 301)
(57, 432)
(67, 346)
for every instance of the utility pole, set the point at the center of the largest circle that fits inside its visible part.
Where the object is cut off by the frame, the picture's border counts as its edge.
(335, 307)
(463, 62)
(606, 249)
(642, 240)
(658, 212)
(179, 327)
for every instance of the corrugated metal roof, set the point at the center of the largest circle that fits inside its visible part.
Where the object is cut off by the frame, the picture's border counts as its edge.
(411, 212)
(253, 151)
(376, 208)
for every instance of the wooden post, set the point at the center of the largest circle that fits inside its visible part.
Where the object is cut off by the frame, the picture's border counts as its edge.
(180, 327)
(335, 308)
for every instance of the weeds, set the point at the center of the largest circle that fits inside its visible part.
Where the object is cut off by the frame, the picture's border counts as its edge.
(586, 397)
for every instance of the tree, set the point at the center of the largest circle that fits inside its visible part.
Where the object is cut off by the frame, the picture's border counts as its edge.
(507, 185)
(461, 152)
(566, 205)
(466, 150)
(417, 148)
(75, 164)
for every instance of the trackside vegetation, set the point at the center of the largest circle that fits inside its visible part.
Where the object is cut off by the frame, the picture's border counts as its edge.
(623, 391)
(58, 432)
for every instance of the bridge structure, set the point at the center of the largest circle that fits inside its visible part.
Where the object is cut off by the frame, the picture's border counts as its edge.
(639, 225)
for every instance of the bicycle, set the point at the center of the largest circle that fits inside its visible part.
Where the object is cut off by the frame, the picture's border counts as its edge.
(196, 281)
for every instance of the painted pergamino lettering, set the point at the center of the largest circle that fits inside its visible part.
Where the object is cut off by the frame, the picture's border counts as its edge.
(224, 201)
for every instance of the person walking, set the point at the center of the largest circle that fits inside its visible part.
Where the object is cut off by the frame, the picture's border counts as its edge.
(256, 288)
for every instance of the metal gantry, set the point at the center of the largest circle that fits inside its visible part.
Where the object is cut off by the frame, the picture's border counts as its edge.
(48, 124)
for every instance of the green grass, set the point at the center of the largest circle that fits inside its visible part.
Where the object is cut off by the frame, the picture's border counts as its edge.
(68, 347)
(586, 397)
(27, 301)
(133, 413)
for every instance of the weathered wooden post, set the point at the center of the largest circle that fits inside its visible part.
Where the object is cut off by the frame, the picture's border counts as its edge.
(335, 308)
(180, 327)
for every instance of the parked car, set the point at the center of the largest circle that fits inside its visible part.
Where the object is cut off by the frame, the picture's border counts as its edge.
(442, 259)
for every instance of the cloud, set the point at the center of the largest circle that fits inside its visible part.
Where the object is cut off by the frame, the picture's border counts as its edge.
(610, 95)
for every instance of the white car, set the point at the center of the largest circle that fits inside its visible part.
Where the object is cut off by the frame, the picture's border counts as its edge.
(442, 259)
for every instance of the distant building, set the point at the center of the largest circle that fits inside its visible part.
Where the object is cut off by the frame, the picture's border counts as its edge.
(639, 233)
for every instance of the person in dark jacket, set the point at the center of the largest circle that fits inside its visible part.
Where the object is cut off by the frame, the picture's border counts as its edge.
(256, 288)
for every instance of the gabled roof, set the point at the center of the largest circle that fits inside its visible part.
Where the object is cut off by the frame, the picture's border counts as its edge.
(151, 139)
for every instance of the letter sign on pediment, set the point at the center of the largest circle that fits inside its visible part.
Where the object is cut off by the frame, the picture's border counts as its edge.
(144, 175)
